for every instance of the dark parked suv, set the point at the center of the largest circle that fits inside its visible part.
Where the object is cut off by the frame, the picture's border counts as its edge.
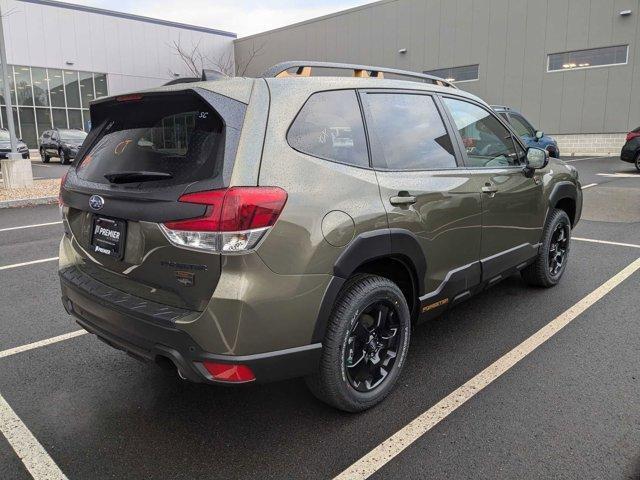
(250, 230)
(631, 150)
(61, 143)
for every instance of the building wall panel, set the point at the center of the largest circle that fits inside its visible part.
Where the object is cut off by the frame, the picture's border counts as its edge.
(509, 39)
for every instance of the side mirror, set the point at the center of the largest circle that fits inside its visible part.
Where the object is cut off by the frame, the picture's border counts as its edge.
(539, 134)
(536, 159)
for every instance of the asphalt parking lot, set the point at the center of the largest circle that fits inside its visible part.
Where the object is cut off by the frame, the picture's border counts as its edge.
(567, 409)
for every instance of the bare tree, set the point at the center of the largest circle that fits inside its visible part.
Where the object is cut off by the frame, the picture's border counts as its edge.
(195, 60)
(242, 64)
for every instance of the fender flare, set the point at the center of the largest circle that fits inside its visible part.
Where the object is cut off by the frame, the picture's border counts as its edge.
(388, 242)
(562, 190)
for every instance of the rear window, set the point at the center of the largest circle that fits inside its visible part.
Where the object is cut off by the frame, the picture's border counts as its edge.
(329, 126)
(170, 139)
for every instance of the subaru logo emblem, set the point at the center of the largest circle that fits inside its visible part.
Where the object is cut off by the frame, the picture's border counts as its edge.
(96, 202)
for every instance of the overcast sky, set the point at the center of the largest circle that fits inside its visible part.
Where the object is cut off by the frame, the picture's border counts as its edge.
(243, 17)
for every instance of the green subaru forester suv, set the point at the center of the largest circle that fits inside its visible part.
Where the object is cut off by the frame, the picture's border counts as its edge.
(251, 230)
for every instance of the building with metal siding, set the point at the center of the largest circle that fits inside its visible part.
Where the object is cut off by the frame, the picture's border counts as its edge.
(509, 40)
(62, 55)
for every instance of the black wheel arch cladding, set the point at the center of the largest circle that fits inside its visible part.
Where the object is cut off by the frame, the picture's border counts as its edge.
(366, 247)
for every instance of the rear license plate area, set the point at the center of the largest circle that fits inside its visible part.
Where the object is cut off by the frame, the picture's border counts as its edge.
(108, 236)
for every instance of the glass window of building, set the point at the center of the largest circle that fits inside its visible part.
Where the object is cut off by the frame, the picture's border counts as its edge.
(100, 81)
(40, 87)
(457, 74)
(75, 119)
(47, 98)
(43, 120)
(28, 126)
(86, 88)
(593, 57)
(22, 76)
(56, 88)
(15, 120)
(71, 88)
(59, 117)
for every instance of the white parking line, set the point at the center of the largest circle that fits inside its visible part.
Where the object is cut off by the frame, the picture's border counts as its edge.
(606, 242)
(619, 175)
(581, 159)
(42, 343)
(30, 226)
(33, 455)
(24, 264)
(394, 445)
(589, 186)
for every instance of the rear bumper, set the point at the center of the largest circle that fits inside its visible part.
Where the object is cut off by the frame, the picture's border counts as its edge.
(628, 154)
(130, 325)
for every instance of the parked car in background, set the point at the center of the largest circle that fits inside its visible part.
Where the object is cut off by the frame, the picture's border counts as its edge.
(299, 248)
(5, 145)
(631, 149)
(62, 143)
(530, 136)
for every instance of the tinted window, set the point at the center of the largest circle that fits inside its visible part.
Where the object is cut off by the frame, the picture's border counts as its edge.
(487, 142)
(456, 74)
(408, 132)
(521, 126)
(593, 57)
(330, 126)
(178, 135)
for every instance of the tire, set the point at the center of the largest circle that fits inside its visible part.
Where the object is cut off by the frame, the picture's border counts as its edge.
(548, 268)
(637, 162)
(351, 323)
(63, 158)
(44, 157)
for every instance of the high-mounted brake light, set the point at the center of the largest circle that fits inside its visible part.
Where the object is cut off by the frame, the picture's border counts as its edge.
(235, 220)
(632, 135)
(134, 97)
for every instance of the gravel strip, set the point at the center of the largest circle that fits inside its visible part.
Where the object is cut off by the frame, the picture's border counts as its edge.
(41, 188)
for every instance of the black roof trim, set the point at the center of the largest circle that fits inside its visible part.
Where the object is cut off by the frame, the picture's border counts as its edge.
(129, 16)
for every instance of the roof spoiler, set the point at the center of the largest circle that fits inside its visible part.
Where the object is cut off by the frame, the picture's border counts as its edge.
(304, 69)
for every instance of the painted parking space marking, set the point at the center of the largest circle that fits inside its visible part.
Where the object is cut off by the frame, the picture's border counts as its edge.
(32, 454)
(619, 175)
(9, 229)
(605, 242)
(24, 264)
(589, 186)
(42, 343)
(582, 159)
(406, 436)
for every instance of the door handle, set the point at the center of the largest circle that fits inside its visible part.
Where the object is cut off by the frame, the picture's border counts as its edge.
(403, 198)
(489, 189)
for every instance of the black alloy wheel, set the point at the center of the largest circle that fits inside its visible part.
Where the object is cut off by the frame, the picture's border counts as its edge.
(558, 248)
(372, 346)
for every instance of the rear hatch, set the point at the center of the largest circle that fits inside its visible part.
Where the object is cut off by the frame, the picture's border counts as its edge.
(144, 153)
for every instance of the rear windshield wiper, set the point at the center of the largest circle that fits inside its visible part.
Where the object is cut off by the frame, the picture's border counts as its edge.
(137, 176)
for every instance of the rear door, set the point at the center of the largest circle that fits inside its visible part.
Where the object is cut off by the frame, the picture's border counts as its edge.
(143, 154)
(425, 188)
(513, 207)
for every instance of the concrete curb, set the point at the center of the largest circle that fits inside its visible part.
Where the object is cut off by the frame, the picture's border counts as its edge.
(28, 202)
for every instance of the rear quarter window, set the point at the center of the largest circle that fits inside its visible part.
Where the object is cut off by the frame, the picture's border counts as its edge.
(329, 126)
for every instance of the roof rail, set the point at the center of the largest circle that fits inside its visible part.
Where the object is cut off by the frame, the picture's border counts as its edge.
(502, 107)
(303, 69)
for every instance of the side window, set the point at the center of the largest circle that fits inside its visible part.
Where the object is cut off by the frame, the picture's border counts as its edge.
(487, 142)
(408, 132)
(329, 126)
(521, 126)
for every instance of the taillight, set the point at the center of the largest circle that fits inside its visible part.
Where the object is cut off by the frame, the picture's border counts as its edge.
(228, 372)
(235, 220)
(62, 182)
(632, 135)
